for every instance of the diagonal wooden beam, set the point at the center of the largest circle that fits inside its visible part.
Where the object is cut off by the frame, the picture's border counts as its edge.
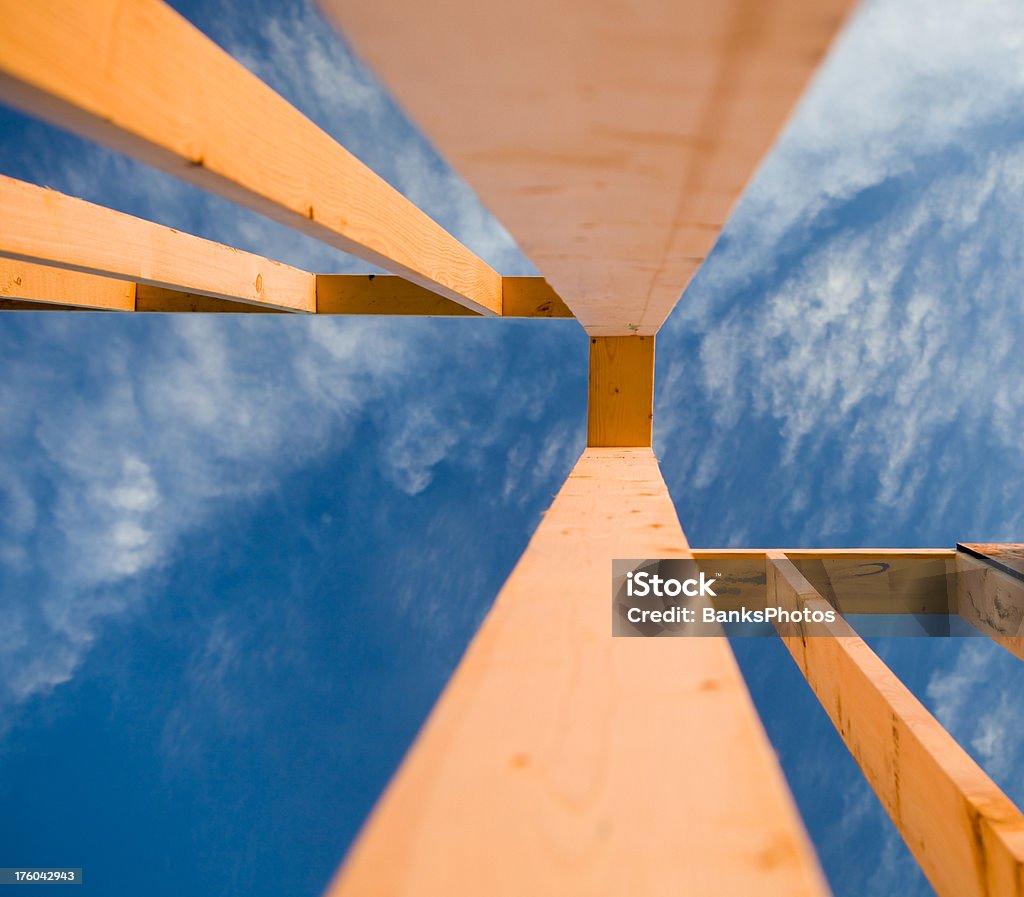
(136, 76)
(45, 227)
(967, 836)
(561, 761)
(611, 141)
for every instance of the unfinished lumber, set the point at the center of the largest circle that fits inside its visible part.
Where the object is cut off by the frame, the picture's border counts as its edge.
(967, 836)
(138, 77)
(45, 227)
(621, 391)
(561, 761)
(612, 144)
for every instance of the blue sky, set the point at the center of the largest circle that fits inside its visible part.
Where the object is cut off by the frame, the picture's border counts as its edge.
(239, 557)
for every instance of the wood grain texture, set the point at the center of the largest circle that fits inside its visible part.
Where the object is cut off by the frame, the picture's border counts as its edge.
(38, 287)
(992, 602)
(163, 301)
(967, 836)
(560, 761)
(368, 294)
(612, 141)
(25, 286)
(44, 226)
(136, 76)
(620, 408)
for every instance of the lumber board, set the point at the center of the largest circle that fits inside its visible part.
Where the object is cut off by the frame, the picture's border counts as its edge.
(822, 553)
(24, 285)
(854, 582)
(138, 77)
(611, 141)
(561, 761)
(992, 601)
(1008, 557)
(368, 294)
(45, 227)
(967, 836)
(621, 391)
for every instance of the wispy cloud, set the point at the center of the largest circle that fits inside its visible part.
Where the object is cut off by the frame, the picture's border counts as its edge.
(977, 698)
(122, 436)
(853, 334)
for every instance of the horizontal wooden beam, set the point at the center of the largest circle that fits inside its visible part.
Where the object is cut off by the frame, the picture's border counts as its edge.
(49, 228)
(561, 761)
(362, 294)
(621, 392)
(611, 141)
(820, 553)
(967, 836)
(138, 77)
(26, 286)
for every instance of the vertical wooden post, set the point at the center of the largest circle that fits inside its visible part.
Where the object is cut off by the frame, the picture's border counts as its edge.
(561, 761)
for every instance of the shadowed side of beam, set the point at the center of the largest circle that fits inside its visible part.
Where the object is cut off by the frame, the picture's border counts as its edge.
(138, 77)
(562, 761)
(368, 294)
(967, 836)
(992, 601)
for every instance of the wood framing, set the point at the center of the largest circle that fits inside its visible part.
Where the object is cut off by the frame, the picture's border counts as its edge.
(621, 392)
(992, 601)
(44, 226)
(136, 76)
(560, 761)
(25, 285)
(522, 297)
(967, 836)
(611, 144)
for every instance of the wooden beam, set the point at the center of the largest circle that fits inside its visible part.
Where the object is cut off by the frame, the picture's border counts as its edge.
(531, 297)
(820, 553)
(967, 836)
(613, 146)
(561, 761)
(368, 294)
(39, 287)
(855, 582)
(1008, 557)
(621, 392)
(992, 601)
(136, 76)
(25, 286)
(43, 226)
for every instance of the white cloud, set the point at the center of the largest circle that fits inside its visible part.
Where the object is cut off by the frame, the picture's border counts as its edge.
(908, 78)
(875, 331)
(126, 435)
(976, 698)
